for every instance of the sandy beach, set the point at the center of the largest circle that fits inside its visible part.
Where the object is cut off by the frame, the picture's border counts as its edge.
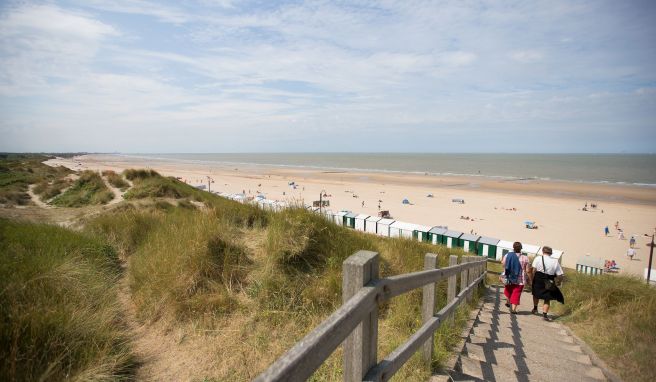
(495, 207)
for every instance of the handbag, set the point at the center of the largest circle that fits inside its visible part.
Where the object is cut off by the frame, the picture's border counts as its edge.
(549, 284)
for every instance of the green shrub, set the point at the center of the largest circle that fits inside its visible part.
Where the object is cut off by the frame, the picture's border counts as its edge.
(58, 307)
(134, 174)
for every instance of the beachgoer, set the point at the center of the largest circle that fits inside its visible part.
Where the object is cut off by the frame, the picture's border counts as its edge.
(632, 241)
(620, 236)
(514, 264)
(363, 203)
(617, 225)
(546, 270)
(630, 253)
(606, 231)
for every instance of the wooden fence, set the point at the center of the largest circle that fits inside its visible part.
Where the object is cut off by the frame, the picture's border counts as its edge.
(355, 323)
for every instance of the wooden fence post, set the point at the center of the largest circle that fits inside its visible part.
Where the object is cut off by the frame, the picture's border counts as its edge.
(471, 278)
(463, 275)
(360, 346)
(428, 305)
(451, 286)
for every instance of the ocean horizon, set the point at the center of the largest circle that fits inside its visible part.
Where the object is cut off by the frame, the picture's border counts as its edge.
(630, 169)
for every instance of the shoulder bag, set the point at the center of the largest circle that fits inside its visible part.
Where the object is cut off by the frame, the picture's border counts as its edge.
(549, 284)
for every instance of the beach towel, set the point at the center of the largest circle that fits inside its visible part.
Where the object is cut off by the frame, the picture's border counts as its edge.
(513, 268)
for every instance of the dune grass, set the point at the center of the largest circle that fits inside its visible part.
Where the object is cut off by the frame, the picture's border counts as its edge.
(88, 189)
(18, 171)
(616, 316)
(59, 315)
(116, 180)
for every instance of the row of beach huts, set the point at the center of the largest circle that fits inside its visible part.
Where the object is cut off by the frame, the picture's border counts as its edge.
(489, 247)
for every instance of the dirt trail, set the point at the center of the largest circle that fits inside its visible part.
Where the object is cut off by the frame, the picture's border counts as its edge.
(118, 194)
(35, 198)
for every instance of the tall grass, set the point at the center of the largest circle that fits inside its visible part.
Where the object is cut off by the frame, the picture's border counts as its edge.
(59, 316)
(88, 189)
(116, 180)
(616, 316)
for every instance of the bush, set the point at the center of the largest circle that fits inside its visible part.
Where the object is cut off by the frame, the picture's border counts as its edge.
(141, 174)
(115, 180)
(58, 307)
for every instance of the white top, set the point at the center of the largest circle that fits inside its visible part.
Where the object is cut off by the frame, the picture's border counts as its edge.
(553, 267)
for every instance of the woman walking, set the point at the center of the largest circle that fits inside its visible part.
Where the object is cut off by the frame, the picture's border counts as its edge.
(514, 264)
(546, 273)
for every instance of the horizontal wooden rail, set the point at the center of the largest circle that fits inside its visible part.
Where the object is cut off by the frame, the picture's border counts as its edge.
(302, 360)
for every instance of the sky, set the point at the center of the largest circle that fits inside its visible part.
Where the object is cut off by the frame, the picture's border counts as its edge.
(328, 76)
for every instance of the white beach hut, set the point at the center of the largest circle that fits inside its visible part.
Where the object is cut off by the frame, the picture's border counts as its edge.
(339, 217)
(487, 247)
(503, 247)
(370, 224)
(530, 249)
(452, 238)
(590, 265)
(360, 221)
(558, 255)
(383, 227)
(401, 229)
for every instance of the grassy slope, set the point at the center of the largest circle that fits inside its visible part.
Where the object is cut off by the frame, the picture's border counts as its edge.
(89, 189)
(59, 313)
(616, 316)
(116, 180)
(17, 171)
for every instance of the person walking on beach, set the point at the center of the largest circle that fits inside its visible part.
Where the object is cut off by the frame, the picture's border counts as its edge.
(632, 241)
(606, 231)
(514, 264)
(546, 272)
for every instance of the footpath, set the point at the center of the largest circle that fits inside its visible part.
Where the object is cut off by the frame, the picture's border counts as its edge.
(519, 347)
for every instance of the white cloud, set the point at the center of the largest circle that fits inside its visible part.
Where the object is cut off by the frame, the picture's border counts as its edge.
(527, 56)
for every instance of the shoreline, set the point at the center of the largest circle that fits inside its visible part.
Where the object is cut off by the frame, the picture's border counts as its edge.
(494, 208)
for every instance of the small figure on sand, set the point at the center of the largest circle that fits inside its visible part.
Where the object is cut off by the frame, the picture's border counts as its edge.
(632, 241)
(620, 236)
(630, 253)
(617, 225)
(363, 204)
(606, 231)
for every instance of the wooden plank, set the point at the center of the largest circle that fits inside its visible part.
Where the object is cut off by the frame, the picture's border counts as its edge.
(451, 285)
(397, 285)
(299, 362)
(360, 347)
(428, 304)
(387, 367)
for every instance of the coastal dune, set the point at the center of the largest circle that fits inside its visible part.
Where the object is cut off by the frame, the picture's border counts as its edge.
(494, 207)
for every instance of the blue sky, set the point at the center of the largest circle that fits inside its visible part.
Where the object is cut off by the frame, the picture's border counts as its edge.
(330, 76)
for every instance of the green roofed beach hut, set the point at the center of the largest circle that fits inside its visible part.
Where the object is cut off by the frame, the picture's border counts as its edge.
(349, 220)
(370, 224)
(452, 238)
(487, 247)
(437, 235)
(468, 242)
(383, 227)
(421, 233)
(360, 220)
(401, 229)
(339, 217)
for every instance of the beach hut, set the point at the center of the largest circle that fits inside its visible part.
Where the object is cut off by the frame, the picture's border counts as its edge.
(530, 250)
(503, 247)
(558, 255)
(360, 220)
(339, 217)
(487, 247)
(383, 227)
(329, 215)
(349, 220)
(436, 235)
(370, 224)
(401, 229)
(451, 238)
(590, 265)
(468, 242)
(421, 233)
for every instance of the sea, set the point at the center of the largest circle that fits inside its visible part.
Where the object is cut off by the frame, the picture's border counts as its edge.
(631, 169)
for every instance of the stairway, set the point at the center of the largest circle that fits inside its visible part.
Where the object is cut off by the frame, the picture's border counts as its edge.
(520, 347)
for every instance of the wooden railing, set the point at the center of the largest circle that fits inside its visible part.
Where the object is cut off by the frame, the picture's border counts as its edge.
(355, 323)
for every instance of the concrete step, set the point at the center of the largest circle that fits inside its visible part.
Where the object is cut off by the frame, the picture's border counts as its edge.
(553, 372)
(523, 338)
(537, 353)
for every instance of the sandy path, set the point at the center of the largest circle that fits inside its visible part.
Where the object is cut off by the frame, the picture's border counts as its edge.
(35, 198)
(118, 194)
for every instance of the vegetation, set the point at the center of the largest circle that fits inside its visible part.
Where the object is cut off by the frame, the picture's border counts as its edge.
(88, 189)
(58, 308)
(18, 171)
(616, 316)
(116, 180)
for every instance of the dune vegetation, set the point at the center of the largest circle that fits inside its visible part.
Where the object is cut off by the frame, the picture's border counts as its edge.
(59, 313)
(116, 180)
(88, 189)
(236, 284)
(18, 171)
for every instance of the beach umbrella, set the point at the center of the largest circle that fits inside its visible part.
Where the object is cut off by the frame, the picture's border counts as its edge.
(406, 201)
